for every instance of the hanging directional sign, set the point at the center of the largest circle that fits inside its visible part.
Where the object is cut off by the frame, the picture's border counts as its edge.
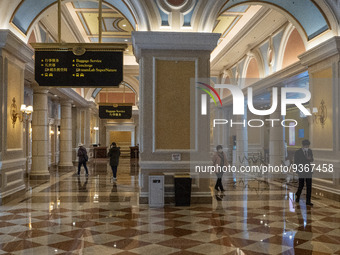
(78, 65)
(115, 112)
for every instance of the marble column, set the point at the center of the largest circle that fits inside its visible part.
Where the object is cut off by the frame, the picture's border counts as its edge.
(15, 56)
(241, 126)
(276, 142)
(102, 132)
(40, 134)
(218, 130)
(168, 62)
(323, 62)
(66, 134)
(87, 125)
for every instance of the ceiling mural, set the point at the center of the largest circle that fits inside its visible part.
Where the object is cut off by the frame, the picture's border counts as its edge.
(29, 10)
(115, 27)
(227, 20)
(313, 24)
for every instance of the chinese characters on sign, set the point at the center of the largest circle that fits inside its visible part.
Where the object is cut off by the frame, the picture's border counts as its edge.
(111, 112)
(51, 67)
(92, 69)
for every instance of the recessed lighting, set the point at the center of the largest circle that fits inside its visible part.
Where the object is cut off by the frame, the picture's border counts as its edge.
(124, 25)
(126, 40)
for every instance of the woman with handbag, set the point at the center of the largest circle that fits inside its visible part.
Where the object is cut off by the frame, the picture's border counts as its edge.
(83, 158)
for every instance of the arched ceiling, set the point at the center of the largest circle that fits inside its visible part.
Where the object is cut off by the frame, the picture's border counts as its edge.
(28, 10)
(227, 20)
(191, 12)
(228, 17)
(305, 12)
(116, 28)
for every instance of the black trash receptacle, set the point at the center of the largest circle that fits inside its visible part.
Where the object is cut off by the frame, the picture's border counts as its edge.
(182, 190)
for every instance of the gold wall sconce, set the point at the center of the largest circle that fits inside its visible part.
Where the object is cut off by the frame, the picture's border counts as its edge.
(320, 114)
(94, 129)
(23, 115)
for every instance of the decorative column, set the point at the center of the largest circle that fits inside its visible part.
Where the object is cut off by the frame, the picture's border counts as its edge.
(227, 114)
(15, 56)
(28, 132)
(241, 126)
(218, 130)
(102, 133)
(40, 134)
(87, 125)
(168, 62)
(276, 142)
(66, 134)
(57, 131)
(323, 62)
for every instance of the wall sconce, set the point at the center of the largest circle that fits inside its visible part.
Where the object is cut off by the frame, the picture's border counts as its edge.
(320, 114)
(24, 113)
(52, 132)
(94, 129)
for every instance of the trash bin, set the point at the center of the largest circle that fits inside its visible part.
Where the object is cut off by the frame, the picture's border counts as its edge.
(156, 190)
(182, 189)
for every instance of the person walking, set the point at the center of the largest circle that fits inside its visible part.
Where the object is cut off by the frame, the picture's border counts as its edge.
(219, 159)
(114, 154)
(302, 159)
(82, 158)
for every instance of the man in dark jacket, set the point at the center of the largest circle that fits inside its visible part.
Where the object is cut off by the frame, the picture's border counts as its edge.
(302, 159)
(220, 159)
(114, 154)
(82, 154)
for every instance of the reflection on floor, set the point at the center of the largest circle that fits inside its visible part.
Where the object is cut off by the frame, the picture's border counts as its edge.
(80, 215)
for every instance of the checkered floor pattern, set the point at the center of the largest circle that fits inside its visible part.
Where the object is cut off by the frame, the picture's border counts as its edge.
(79, 215)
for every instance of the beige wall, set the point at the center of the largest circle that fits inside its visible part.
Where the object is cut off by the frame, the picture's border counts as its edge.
(323, 90)
(303, 123)
(172, 122)
(15, 78)
(122, 138)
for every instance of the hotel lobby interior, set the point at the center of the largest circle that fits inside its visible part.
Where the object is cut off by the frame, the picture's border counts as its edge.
(167, 98)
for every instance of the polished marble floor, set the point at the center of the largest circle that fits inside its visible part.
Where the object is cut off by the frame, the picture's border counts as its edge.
(92, 215)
